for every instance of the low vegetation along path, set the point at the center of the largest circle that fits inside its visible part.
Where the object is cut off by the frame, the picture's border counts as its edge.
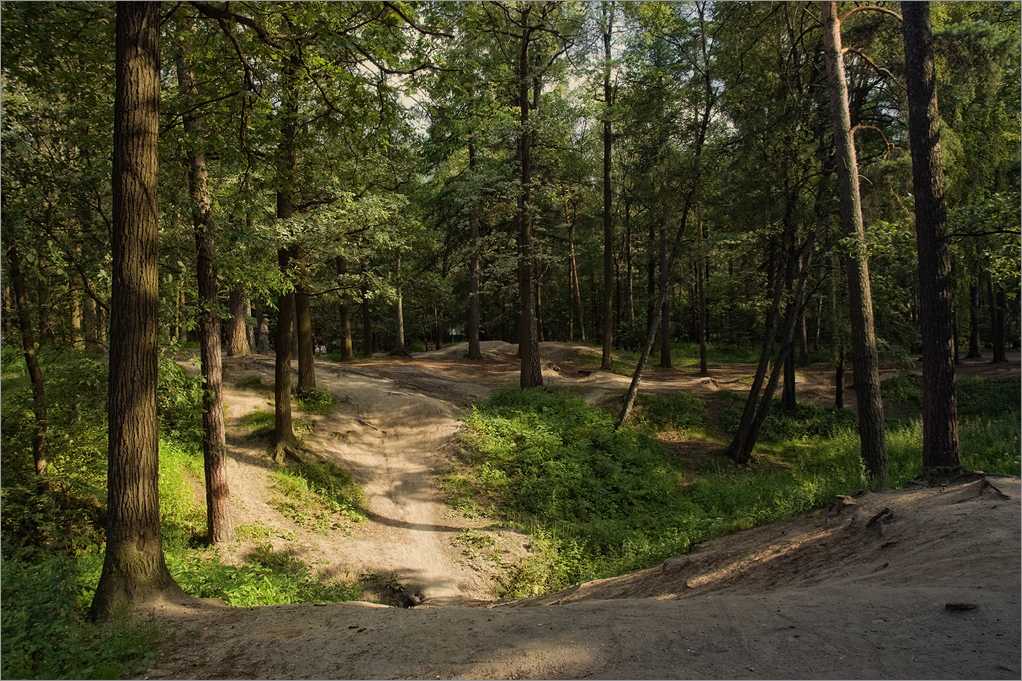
(922, 582)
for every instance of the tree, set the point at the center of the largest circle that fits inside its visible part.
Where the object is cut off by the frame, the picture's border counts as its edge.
(134, 568)
(214, 444)
(607, 27)
(940, 399)
(865, 357)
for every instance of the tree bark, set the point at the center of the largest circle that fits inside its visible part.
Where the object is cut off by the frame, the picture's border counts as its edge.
(214, 445)
(368, 344)
(998, 306)
(35, 373)
(399, 345)
(665, 306)
(940, 398)
(237, 334)
(134, 568)
(701, 293)
(347, 353)
(531, 374)
(263, 335)
(865, 357)
(474, 351)
(607, 362)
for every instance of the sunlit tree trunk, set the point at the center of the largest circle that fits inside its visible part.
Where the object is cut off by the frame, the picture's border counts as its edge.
(865, 357)
(474, 351)
(607, 362)
(134, 568)
(214, 446)
(237, 335)
(303, 330)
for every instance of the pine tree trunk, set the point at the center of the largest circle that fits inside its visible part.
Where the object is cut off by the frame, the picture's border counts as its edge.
(77, 339)
(399, 345)
(865, 357)
(237, 334)
(607, 361)
(134, 568)
(263, 335)
(940, 399)
(701, 293)
(528, 340)
(474, 351)
(665, 306)
(368, 342)
(214, 446)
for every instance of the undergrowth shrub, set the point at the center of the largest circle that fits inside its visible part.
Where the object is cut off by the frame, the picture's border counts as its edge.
(677, 411)
(315, 401)
(806, 421)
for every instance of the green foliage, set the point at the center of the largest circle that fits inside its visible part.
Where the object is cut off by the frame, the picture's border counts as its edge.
(678, 411)
(267, 577)
(179, 402)
(45, 631)
(806, 421)
(904, 390)
(318, 496)
(262, 423)
(315, 401)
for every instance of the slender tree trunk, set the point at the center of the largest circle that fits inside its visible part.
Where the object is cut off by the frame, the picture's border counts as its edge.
(35, 373)
(399, 346)
(940, 398)
(839, 379)
(576, 290)
(974, 339)
(214, 446)
(607, 362)
(865, 357)
(474, 351)
(77, 340)
(249, 327)
(528, 340)
(134, 568)
(179, 313)
(237, 334)
(665, 306)
(998, 307)
(303, 328)
(368, 344)
(629, 278)
(701, 293)
(347, 353)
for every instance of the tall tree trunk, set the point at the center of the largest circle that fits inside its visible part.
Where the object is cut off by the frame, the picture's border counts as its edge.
(474, 351)
(974, 339)
(249, 327)
(528, 340)
(35, 373)
(576, 289)
(77, 339)
(839, 379)
(179, 312)
(134, 568)
(701, 293)
(214, 445)
(347, 353)
(607, 362)
(368, 342)
(237, 333)
(665, 306)
(940, 398)
(629, 278)
(303, 329)
(284, 441)
(399, 345)
(865, 357)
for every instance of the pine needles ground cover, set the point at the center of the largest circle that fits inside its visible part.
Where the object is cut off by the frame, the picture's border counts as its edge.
(599, 502)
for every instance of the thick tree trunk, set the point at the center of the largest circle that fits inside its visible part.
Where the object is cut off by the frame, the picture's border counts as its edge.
(607, 362)
(974, 339)
(940, 399)
(35, 373)
(237, 334)
(214, 446)
(865, 357)
(474, 351)
(134, 568)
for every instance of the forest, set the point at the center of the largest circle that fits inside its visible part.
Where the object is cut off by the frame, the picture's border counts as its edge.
(698, 267)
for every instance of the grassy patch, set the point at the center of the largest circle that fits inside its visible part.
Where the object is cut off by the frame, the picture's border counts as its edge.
(315, 401)
(261, 424)
(252, 382)
(676, 412)
(318, 496)
(598, 502)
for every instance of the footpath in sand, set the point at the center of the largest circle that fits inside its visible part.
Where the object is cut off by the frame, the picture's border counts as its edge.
(914, 583)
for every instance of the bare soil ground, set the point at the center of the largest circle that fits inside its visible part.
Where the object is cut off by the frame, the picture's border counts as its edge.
(915, 583)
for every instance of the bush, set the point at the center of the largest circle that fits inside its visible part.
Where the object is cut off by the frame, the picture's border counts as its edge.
(315, 401)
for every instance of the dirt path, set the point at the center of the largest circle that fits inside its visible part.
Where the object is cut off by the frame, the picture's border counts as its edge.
(855, 592)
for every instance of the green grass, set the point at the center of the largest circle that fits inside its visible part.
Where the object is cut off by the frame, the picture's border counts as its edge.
(261, 424)
(315, 401)
(318, 496)
(598, 502)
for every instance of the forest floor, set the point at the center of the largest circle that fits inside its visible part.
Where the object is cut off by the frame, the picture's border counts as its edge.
(922, 582)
